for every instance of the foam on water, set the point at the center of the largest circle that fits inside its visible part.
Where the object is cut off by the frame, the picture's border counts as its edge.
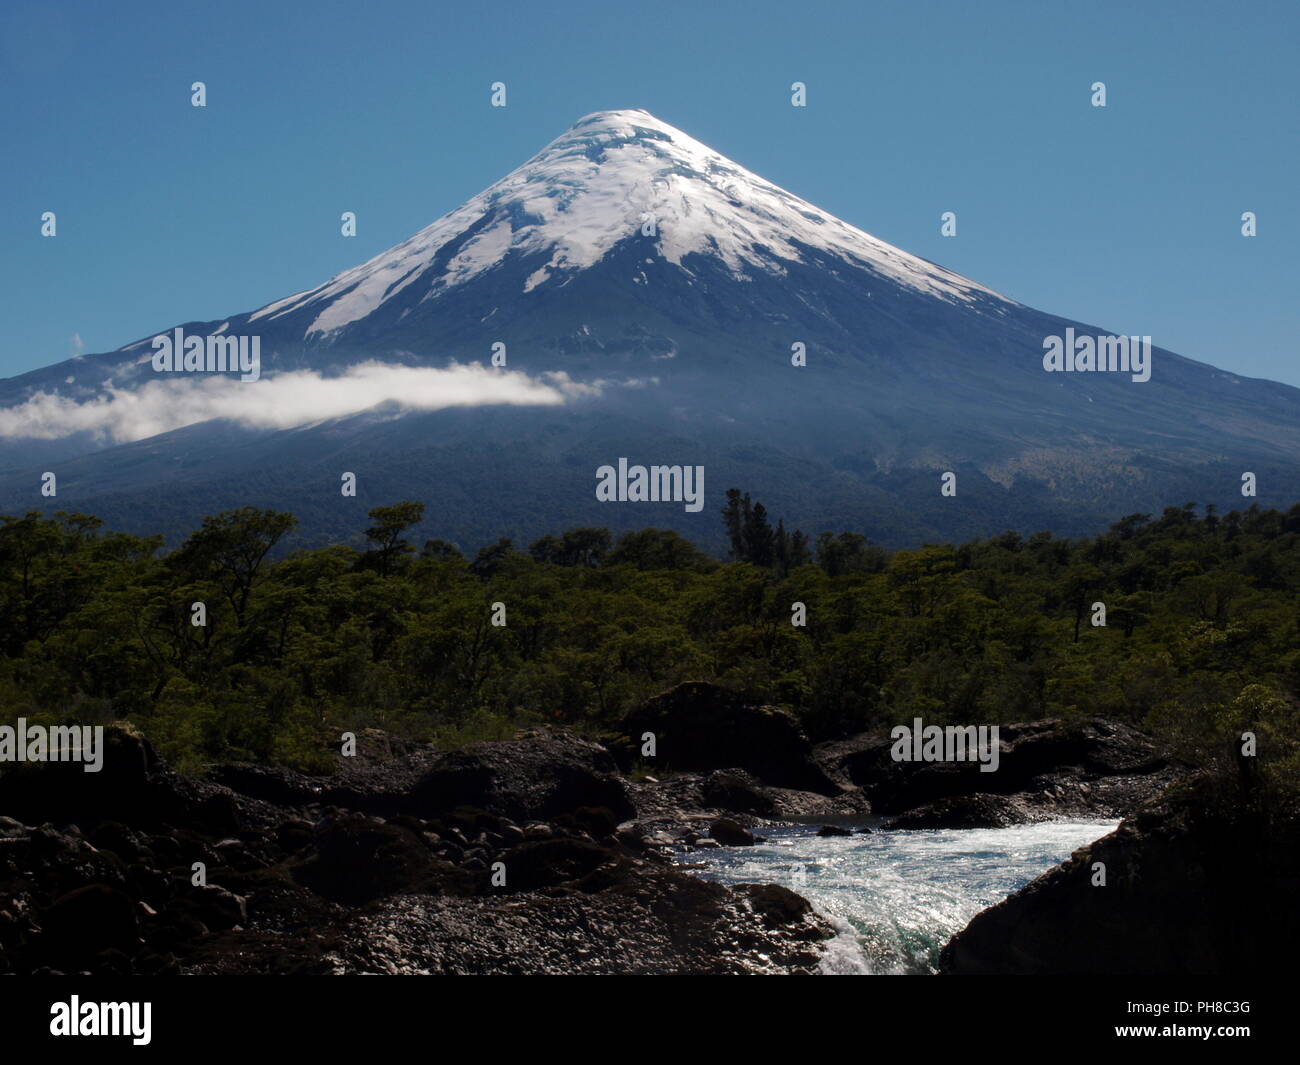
(895, 898)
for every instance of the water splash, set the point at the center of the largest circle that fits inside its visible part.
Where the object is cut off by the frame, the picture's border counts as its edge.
(895, 898)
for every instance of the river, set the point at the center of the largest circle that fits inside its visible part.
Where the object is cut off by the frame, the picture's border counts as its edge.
(896, 897)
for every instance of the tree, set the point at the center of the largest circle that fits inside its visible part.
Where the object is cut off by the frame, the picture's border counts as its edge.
(849, 552)
(577, 547)
(491, 558)
(1082, 584)
(441, 551)
(585, 547)
(231, 548)
(386, 532)
(735, 516)
(799, 552)
(651, 549)
(545, 549)
(751, 536)
(759, 537)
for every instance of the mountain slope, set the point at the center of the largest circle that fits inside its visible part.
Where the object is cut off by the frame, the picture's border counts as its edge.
(655, 289)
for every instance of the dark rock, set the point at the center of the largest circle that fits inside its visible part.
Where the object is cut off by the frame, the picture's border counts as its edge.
(270, 783)
(833, 830)
(166, 850)
(730, 833)
(777, 905)
(553, 862)
(88, 920)
(295, 835)
(1054, 765)
(1193, 885)
(359, 858)
(124, 787)
(540, 775)
(965, 811)
(646, 921)
(633, 839)
(405, 836)
(112, 962)
(597, 822)
(116, 837)
(737, 792)
(151, 964)
(212, 904)
(703, 726)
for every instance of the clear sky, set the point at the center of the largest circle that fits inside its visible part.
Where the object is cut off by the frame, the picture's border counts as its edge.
(1126, 217)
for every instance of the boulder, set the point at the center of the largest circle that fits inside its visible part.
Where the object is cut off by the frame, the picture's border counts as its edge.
(537, 776)
(550, 863)
(272, 784)
(96, 869)
(1052, 762)
(88, 920)
(1193, 886)
(358, 858)
(776, 905)
(216, 907)
(964, 811)
(731, 833)
(130, 781)
(737, 792)
(703, 726)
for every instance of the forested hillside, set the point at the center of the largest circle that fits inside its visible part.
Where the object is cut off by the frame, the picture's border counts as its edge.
(1201, 637)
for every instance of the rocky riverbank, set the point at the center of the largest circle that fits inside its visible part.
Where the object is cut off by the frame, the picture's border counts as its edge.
(734, 762)
(502, 858)
(547, 853)
(1193, 883)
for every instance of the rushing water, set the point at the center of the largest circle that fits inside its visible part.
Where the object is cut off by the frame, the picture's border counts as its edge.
(898, 897)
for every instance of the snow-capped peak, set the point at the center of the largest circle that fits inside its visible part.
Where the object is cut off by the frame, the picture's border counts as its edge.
(597, 185)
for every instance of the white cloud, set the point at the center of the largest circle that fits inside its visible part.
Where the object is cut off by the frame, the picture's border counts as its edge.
(279, 402)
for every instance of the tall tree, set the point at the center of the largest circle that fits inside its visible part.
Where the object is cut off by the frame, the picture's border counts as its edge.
(386, 532)
(231, 548)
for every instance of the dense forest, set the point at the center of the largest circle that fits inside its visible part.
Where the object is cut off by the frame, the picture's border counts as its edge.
(227, 648)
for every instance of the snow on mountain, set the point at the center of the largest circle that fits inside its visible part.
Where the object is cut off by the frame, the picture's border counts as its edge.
(669, 346)
(592, 188)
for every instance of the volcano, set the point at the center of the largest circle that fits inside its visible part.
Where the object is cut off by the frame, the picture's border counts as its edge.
(630, 295)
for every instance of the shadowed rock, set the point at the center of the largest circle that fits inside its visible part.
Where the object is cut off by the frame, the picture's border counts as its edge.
(1094, 768)
(1191, 886)
(965, 811)
(542, 774)
(703, 726)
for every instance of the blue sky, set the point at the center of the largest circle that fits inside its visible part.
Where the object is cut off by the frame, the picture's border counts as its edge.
(1126, 217)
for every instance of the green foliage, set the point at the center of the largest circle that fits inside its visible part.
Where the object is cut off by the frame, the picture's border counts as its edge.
(386, 533)
(1203, 627)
